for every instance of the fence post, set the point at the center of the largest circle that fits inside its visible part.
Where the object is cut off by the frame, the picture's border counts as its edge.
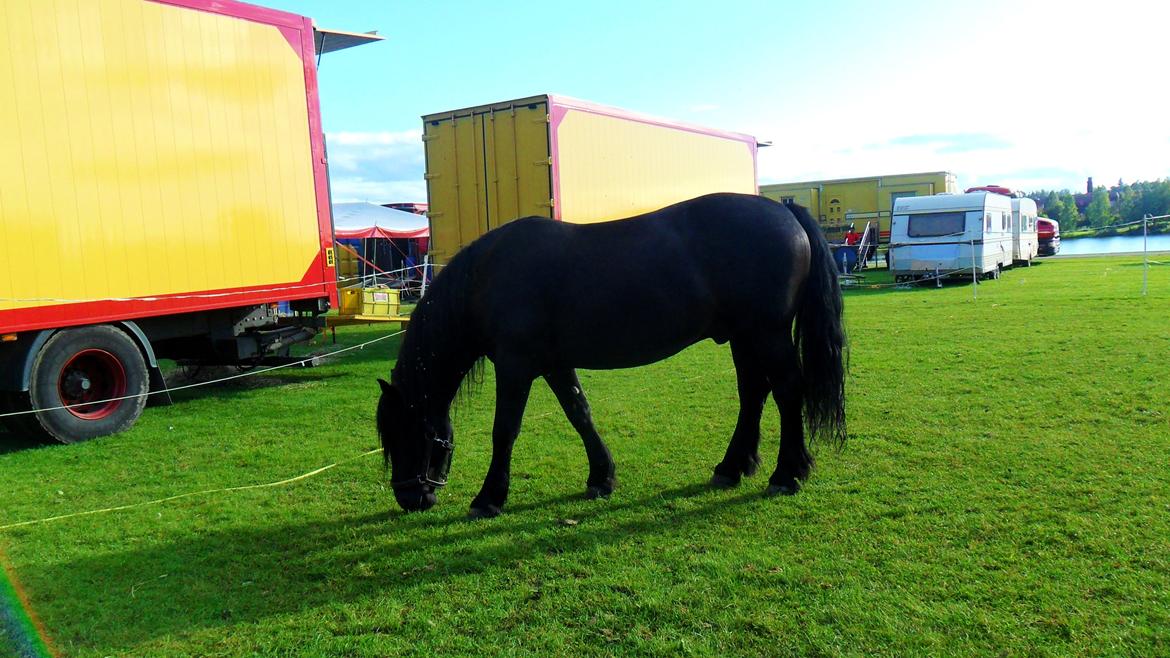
(974, 273)
(1145, 253)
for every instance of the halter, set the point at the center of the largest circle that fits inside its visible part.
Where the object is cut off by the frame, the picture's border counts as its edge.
(434, 472)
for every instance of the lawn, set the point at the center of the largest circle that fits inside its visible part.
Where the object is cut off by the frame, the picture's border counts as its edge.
(1003, 491)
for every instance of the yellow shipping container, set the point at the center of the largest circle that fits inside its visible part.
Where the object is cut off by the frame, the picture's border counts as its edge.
(839, 203)
(569, 160)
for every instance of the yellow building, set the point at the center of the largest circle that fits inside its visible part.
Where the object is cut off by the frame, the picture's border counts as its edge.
(838, 203)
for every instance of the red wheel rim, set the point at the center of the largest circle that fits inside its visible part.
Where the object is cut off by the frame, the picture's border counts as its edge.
(88, 381)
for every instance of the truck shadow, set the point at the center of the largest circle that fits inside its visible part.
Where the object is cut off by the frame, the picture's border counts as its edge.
(240, 576)
(14, 442)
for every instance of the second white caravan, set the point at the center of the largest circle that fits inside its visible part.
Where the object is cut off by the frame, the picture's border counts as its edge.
(1025, 245)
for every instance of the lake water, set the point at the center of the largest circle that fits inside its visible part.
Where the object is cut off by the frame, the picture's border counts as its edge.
(1113, 245)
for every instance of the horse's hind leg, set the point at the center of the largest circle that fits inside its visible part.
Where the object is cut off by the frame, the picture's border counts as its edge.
(743, 452)
(794, 462)
(567, 388)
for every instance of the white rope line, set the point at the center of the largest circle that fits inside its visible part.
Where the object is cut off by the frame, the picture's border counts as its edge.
(906, 284)
(909, 283)
(204, 492)
(1099, 229)
(250, 373)
(207, 492)
(213, 295)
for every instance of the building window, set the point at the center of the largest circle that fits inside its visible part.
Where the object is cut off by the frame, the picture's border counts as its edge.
(787, 199)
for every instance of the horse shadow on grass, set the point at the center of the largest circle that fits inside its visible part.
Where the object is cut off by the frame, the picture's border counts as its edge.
(240, 576)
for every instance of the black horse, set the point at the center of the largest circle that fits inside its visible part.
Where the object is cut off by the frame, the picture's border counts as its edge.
(540, 298)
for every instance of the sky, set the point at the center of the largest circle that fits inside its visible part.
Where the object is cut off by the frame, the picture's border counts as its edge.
(1027, 94)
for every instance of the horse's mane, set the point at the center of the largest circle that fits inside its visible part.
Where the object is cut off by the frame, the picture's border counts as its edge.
(440, 353)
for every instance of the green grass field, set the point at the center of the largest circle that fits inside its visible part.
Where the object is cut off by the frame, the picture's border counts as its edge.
(1004, 491)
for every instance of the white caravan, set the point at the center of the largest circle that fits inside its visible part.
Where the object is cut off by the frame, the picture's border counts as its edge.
(951, 235)
(1025, 244)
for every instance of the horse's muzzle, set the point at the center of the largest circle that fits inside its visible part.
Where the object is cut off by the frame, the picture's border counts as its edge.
(415, 499)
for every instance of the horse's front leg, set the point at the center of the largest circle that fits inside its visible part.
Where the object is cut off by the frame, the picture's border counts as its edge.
(512, 389)
(567, 388)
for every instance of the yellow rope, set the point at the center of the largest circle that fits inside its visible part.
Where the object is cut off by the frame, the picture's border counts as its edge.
(189, 494)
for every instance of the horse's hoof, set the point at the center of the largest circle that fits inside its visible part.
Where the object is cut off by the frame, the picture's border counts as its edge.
(720, 481)
(488, 512)
(786, 489)
(595, 491)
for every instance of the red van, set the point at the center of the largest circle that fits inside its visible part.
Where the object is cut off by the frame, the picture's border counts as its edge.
(1048, 234)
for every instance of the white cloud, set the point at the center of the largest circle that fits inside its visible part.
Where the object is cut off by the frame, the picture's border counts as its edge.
(380, 167)
(378, 191)
(1030, 147)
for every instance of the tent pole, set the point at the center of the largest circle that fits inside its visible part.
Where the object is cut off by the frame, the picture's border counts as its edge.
(426, 266)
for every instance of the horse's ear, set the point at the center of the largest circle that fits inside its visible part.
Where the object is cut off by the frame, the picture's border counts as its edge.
(392, 396)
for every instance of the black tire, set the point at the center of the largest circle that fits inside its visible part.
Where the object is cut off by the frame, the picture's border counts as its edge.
(84, 368)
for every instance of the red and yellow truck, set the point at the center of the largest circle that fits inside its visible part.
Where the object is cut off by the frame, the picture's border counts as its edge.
(163, 185)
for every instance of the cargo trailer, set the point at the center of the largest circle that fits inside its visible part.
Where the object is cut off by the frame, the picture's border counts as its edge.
(951, 234)
(163, 185)
(569, 160)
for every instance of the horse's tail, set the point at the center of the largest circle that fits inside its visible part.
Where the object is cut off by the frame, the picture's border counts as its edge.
(820, 338)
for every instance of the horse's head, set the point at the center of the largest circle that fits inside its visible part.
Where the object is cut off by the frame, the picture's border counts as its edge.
(417, 450)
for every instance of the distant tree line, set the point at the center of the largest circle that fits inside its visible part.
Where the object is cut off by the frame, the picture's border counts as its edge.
(1104, 207)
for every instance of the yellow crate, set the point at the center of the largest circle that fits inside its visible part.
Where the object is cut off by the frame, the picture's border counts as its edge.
(351, 301)
(379, 301)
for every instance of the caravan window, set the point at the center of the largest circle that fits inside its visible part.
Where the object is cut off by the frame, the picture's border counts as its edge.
(935, 224)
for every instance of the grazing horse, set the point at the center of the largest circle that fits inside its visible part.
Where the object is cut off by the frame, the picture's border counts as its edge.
(540, 298)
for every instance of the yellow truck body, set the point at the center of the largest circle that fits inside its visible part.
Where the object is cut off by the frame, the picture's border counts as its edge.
(569, 160)
(167, 151)
(839, 203)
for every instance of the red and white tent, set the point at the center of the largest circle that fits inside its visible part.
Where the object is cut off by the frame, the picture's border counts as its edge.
(367, 220)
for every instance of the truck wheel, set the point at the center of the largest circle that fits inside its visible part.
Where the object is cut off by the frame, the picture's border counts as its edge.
(85, 370)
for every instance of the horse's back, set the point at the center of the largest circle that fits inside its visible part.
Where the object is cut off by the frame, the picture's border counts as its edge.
(632, 291)
(721, 227)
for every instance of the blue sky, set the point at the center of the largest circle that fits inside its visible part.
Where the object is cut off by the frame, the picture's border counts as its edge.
(1023, 94)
